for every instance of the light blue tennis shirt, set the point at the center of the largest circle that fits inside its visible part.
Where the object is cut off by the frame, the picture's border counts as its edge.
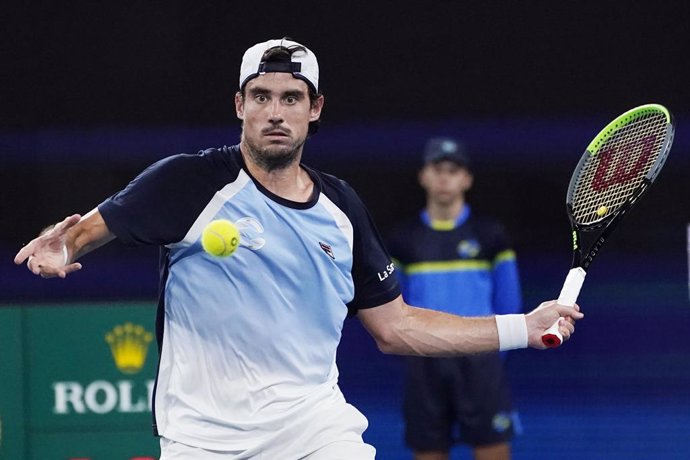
(249, 341)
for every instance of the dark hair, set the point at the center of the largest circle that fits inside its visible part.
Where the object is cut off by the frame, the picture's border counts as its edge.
(284, 54)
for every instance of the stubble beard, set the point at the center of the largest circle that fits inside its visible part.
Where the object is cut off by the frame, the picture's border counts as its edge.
(274, 157)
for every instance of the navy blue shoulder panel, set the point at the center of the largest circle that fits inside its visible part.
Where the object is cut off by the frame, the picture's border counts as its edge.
(161, 204)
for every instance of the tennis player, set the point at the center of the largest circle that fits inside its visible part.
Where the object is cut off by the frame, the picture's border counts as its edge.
(247, 344)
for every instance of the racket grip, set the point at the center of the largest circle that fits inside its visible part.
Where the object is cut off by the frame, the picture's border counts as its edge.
(552, 337)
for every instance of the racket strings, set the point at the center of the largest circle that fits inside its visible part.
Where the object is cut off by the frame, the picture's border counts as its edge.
(609, 177)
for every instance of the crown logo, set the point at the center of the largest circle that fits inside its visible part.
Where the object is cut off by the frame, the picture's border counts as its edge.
(129, 345)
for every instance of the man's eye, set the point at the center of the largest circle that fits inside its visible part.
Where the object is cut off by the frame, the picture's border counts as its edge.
(261, 98)
(291, 100)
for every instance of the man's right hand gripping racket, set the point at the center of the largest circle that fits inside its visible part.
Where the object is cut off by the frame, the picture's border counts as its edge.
(614, 172)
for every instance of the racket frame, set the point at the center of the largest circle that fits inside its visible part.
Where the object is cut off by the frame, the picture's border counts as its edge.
(583, 259)
(610, 222)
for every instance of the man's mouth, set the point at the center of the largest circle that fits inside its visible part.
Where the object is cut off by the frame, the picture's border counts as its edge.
(275, 133)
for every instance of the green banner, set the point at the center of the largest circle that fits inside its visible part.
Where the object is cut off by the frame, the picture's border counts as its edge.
(79, 382)
(90, 366)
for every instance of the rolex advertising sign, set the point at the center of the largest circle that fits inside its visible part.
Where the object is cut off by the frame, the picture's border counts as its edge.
(88, 380)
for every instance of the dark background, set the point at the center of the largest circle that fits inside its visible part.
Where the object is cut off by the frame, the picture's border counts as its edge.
(93, 92)
(177, 62)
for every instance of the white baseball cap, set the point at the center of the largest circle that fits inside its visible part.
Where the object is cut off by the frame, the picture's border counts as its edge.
(302, 64)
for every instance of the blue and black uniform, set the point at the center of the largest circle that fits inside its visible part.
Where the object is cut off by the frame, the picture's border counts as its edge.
(248, 343)
(468, 268)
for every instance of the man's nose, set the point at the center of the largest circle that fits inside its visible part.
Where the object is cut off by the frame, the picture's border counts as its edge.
(275, 112)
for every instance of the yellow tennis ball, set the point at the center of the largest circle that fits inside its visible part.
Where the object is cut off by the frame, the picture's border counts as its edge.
(220, 238)
(602, 211)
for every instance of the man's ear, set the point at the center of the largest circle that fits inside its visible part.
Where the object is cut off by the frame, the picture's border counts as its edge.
(469, 181)
(420, 178)
(316, 107)
(239, 105)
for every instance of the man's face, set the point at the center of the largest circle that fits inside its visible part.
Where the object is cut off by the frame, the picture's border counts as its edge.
(445, 181)
(276, 112)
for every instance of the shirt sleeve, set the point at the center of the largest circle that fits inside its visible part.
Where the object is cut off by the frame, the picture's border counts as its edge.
(394, 247)
(160, 205)
(373, 270)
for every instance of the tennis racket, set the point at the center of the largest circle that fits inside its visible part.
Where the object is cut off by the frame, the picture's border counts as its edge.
(616, 169)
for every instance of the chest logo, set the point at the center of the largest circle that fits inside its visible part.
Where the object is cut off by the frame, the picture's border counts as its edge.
(468, 249)
(327, 249)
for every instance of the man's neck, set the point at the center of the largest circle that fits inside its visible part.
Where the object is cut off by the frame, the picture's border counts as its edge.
(290, 182)
(444, 211)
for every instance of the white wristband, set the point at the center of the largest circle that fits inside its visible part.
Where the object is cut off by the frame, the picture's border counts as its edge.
(512, 332)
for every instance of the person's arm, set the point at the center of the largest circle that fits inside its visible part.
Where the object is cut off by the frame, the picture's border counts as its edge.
(54, 252)
(402, 329)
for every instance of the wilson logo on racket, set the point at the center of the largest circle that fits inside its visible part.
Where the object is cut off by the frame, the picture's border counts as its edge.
(623, 172)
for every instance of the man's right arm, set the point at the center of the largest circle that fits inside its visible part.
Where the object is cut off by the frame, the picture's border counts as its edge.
(54, 252)
(402, 329)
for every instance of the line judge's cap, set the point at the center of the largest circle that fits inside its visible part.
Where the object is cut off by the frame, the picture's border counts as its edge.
(444, 148)
(302, 64)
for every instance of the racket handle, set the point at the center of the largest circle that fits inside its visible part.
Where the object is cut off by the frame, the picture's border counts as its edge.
(552, 338)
